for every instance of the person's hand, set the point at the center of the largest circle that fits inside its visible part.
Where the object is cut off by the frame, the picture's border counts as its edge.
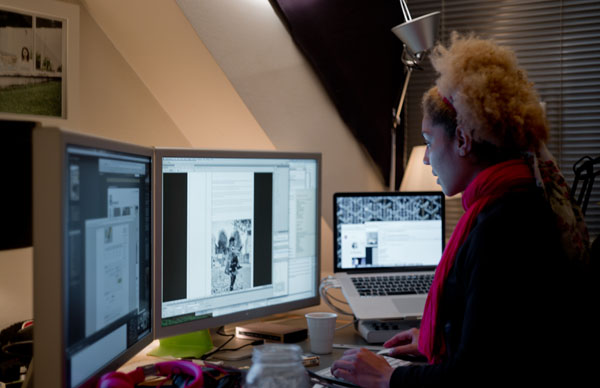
(405, 342)
(364, 368)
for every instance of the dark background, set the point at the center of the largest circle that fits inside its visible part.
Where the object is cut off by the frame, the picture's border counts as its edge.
(358, 59)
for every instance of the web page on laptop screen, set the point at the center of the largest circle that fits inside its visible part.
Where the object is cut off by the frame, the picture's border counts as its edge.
(389, 231)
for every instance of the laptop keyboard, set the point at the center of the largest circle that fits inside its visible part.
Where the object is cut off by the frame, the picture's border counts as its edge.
(393, 284)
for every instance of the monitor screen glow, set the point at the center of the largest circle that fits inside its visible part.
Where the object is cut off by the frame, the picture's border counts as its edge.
(92, 255)
(237, 236)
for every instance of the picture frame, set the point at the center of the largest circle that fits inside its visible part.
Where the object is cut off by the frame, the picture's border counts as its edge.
(39, 61)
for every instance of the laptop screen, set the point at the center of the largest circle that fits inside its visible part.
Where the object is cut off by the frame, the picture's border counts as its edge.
(388, 231)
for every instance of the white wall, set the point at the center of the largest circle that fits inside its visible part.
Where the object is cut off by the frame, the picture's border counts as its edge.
(157, 42)
(113, 103)
(16, 286)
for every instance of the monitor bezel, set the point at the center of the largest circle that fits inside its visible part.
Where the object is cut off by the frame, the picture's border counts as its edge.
(49, 209)
(214, 322)
(337, 268)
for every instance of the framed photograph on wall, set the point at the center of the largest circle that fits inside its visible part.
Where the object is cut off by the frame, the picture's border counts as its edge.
(38, 58)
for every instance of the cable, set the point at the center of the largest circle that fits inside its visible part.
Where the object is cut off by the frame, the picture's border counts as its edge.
(347, 324)
(326, 284)
(231, 336)
(253, 343)
(336, 299)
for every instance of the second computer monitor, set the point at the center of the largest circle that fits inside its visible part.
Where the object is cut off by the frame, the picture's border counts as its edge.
(237, 236)
(92, 255)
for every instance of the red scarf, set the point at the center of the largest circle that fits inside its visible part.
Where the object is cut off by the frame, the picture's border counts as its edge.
(489, 185)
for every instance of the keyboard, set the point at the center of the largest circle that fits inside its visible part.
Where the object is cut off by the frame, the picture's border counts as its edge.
(393, 284)
(394, 363)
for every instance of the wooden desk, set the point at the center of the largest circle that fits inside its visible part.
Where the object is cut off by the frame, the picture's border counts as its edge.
(345, 335)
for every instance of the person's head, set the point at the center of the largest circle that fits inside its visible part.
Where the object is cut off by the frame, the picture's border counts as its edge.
(485, 108)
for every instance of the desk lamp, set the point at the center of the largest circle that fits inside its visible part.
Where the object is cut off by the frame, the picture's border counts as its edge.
(418, 36)
(419, 176)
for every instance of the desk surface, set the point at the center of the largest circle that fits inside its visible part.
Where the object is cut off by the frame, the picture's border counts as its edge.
(346, 335)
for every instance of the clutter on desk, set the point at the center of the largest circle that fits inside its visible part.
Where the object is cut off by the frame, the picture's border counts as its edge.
(16, 351)
(176, 373)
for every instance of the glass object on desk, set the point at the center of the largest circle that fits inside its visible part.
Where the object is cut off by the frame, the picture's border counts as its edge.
(277, 365)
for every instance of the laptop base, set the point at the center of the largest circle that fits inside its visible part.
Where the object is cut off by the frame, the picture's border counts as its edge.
(379, 331)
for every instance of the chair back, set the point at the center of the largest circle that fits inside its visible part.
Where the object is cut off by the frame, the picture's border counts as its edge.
(586, 169)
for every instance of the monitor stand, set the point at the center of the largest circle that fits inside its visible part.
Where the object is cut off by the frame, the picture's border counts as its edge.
(189, 345)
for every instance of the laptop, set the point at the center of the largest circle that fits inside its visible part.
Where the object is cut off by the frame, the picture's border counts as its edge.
(387, 237)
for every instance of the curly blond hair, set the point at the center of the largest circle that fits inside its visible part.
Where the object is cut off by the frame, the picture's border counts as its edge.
(493, 99)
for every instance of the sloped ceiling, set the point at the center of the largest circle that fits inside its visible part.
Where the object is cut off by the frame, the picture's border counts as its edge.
(156, 40)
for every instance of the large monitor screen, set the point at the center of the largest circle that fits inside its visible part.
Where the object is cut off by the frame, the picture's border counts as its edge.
(93, 243)
(237, 236)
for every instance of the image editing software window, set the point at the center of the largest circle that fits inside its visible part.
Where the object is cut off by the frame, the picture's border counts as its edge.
(238, 234)
(109, 257)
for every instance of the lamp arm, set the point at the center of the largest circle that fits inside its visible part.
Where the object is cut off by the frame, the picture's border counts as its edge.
(395, 126)
(402, 97)
(405, 10)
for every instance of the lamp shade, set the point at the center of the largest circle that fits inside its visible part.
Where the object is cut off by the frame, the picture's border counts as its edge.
(417, 175)
(419, 34)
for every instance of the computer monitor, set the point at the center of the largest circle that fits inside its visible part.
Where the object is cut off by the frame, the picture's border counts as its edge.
(92, 255)
(237, 236)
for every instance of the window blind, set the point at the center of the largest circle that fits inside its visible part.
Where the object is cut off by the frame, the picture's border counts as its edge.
(558, 43)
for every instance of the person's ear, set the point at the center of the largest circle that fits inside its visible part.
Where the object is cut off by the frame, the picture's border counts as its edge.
(463, 141)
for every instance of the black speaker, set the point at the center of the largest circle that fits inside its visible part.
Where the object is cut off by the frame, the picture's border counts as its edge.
(16, 350)
(16, 188)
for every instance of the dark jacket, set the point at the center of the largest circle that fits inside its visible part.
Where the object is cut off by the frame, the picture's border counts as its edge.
(507, 303)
